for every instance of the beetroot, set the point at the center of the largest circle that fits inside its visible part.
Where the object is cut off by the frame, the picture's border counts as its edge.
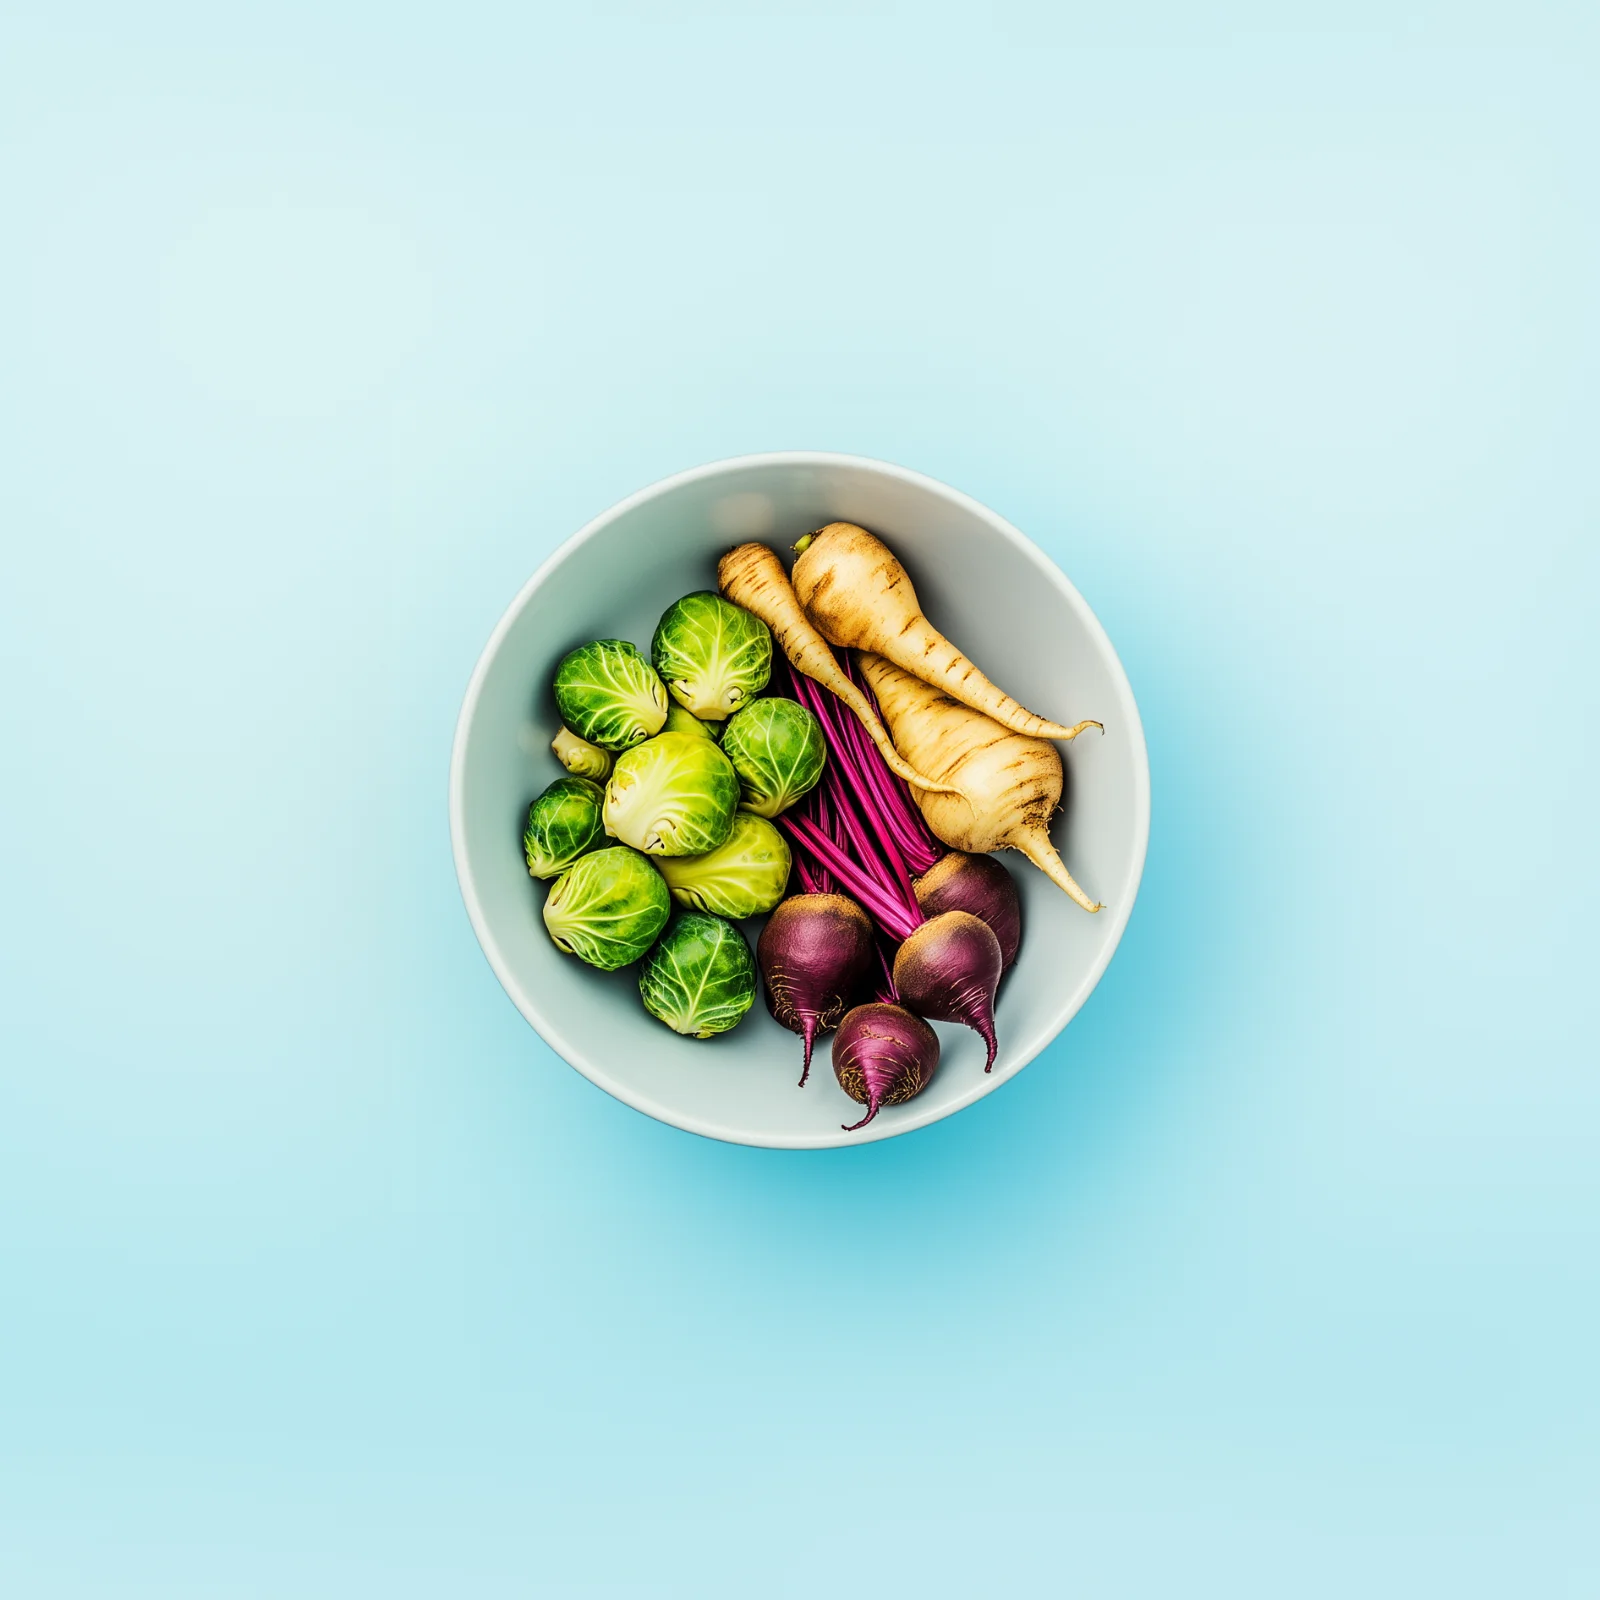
(883, 1055)
(813, 953)
(979, 884)
(949, 969)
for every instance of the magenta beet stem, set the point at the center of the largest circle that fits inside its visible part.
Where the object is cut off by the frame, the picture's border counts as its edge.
(856, 827)
(890, 812)
(918, 844)
(886, 990)
(854, 879)
(860, 796)
(875, 823)
(865, 817)
(826, 821)
(894, 805)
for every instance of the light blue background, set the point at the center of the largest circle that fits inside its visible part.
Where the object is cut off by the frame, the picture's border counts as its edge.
(322, 1277)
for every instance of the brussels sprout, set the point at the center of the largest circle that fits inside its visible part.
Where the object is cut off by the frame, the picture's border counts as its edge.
(673, 795)
(712, 654)
(681, 721)
(776, 747)
(562, 823)
(742, 877)
(607, 908)
(701, 978)
(580, 758)
(609, 694)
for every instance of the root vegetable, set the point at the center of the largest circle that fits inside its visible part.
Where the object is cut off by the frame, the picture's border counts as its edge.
(883, 1055)
(959, 881)
(813, 954)
(857, 594)
(752, 576)
(948, 970)
(1011, 783)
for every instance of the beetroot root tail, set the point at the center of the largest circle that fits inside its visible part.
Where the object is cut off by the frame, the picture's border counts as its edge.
(872, 1111)
(810, 1036)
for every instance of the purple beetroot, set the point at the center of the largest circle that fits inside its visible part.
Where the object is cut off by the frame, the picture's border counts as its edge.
(949, 969)
(883, 1055)
(813, 953)
(979, 884)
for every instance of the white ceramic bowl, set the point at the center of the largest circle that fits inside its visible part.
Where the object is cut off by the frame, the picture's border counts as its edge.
(982, 583)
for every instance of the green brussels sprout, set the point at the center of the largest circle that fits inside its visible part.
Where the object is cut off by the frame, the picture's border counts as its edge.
(712, 654)
(673, 795)
(745, 875)
(580, 758)
(776, 747)
(609, 694)
(608, 908)
(701, 978)
(681, 721)
(563, 822)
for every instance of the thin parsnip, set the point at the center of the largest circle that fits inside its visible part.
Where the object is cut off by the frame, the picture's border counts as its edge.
(858, 595)
(1011, 784)
(752, 576)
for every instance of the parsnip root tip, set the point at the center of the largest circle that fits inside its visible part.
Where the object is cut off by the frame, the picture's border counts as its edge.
(1035, 844)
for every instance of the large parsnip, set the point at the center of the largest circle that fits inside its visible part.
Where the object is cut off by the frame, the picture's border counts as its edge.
(857, 594)
(1010, 784)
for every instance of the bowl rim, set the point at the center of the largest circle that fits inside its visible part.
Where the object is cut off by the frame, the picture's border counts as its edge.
(567, 1049)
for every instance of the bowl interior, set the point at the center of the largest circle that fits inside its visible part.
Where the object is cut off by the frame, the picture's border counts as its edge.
(980, 582)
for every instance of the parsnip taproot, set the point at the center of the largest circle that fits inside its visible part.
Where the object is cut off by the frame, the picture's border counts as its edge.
(752, 576)
(1010, 783)
(858, 595)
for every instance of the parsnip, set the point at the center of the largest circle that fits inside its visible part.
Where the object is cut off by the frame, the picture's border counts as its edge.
(857, 594)
(752, 576)
(1010, 784)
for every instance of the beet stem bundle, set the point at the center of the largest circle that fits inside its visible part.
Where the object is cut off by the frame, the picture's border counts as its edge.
(892, 914)
(857, 778)
(893, 807)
